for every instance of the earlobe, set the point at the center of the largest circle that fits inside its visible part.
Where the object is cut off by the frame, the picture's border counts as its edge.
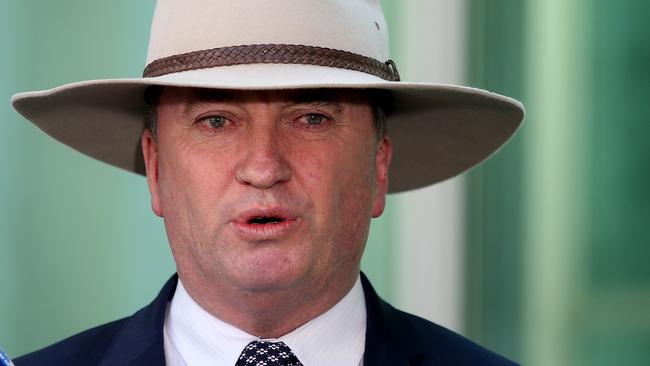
(150, 153)
(383, 158)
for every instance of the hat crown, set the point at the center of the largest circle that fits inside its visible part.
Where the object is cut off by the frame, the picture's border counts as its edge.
(182, 26)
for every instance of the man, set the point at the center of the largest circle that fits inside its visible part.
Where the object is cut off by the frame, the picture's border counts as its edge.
(266, 154)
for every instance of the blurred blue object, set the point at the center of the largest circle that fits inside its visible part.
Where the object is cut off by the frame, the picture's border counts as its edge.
(4, 359)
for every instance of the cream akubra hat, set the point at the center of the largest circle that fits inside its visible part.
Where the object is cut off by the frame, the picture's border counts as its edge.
(438, 131)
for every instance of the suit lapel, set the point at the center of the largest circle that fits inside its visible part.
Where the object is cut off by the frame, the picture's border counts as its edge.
(388, 342)
(140, 341)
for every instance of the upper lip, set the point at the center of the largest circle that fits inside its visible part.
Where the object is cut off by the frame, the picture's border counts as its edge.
(273, 212)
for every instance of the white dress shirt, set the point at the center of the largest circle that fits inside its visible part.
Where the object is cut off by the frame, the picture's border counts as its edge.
(194, 337)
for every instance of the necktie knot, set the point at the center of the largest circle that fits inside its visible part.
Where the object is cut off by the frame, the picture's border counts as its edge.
(262, 353)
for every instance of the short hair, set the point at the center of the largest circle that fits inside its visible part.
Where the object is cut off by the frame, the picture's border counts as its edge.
(380, 103)
(151, 98)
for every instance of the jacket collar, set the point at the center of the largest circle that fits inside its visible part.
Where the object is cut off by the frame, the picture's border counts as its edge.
(389, 341)
(140, 341)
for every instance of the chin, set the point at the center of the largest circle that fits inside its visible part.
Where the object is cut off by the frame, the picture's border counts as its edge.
(272, 276)
(268, 283)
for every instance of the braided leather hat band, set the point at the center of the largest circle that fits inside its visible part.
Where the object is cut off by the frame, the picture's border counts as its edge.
(271, 54)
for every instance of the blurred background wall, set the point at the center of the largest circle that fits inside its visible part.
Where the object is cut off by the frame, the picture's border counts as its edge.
(79, 245)
(541, 254)
(558, 259)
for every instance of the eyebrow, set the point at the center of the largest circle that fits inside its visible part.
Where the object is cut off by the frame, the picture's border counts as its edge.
(336, 106)
(320, 98)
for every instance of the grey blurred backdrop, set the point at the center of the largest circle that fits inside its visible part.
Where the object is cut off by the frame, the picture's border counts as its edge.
(541, 254)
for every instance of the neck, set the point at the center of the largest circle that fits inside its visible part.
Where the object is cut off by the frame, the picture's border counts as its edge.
(269, 314)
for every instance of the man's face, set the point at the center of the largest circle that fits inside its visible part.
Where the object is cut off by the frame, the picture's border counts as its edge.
(266, 191)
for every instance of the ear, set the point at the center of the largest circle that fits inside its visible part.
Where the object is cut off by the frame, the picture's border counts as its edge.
(150, 153)
(383, 156)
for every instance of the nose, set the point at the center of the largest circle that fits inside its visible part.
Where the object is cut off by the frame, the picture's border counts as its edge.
(263, 164)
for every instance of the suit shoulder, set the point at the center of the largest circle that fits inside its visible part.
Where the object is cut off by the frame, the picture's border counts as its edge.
(85, 348)
(450, 347)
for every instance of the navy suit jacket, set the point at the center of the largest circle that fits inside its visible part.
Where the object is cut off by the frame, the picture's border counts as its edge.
(393, 338)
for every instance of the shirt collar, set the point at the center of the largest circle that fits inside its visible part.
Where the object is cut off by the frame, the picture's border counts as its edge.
(202, 339)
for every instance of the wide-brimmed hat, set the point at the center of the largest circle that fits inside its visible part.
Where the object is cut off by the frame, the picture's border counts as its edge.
(438, 131)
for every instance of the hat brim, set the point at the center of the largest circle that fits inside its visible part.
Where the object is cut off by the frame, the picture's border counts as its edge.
(438, 131)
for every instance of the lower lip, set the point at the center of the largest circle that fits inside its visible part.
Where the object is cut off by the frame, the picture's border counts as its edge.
(262, 232)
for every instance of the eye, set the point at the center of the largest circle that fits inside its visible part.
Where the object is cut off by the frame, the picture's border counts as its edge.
(314, 119)
(213, 122)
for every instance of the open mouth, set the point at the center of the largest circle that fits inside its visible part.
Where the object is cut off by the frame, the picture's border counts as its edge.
(264, 224)
(266, 220)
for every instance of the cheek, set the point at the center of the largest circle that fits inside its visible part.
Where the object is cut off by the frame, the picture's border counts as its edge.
(189, 191)
(356, 201)
(193, 171)
(341, 185)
